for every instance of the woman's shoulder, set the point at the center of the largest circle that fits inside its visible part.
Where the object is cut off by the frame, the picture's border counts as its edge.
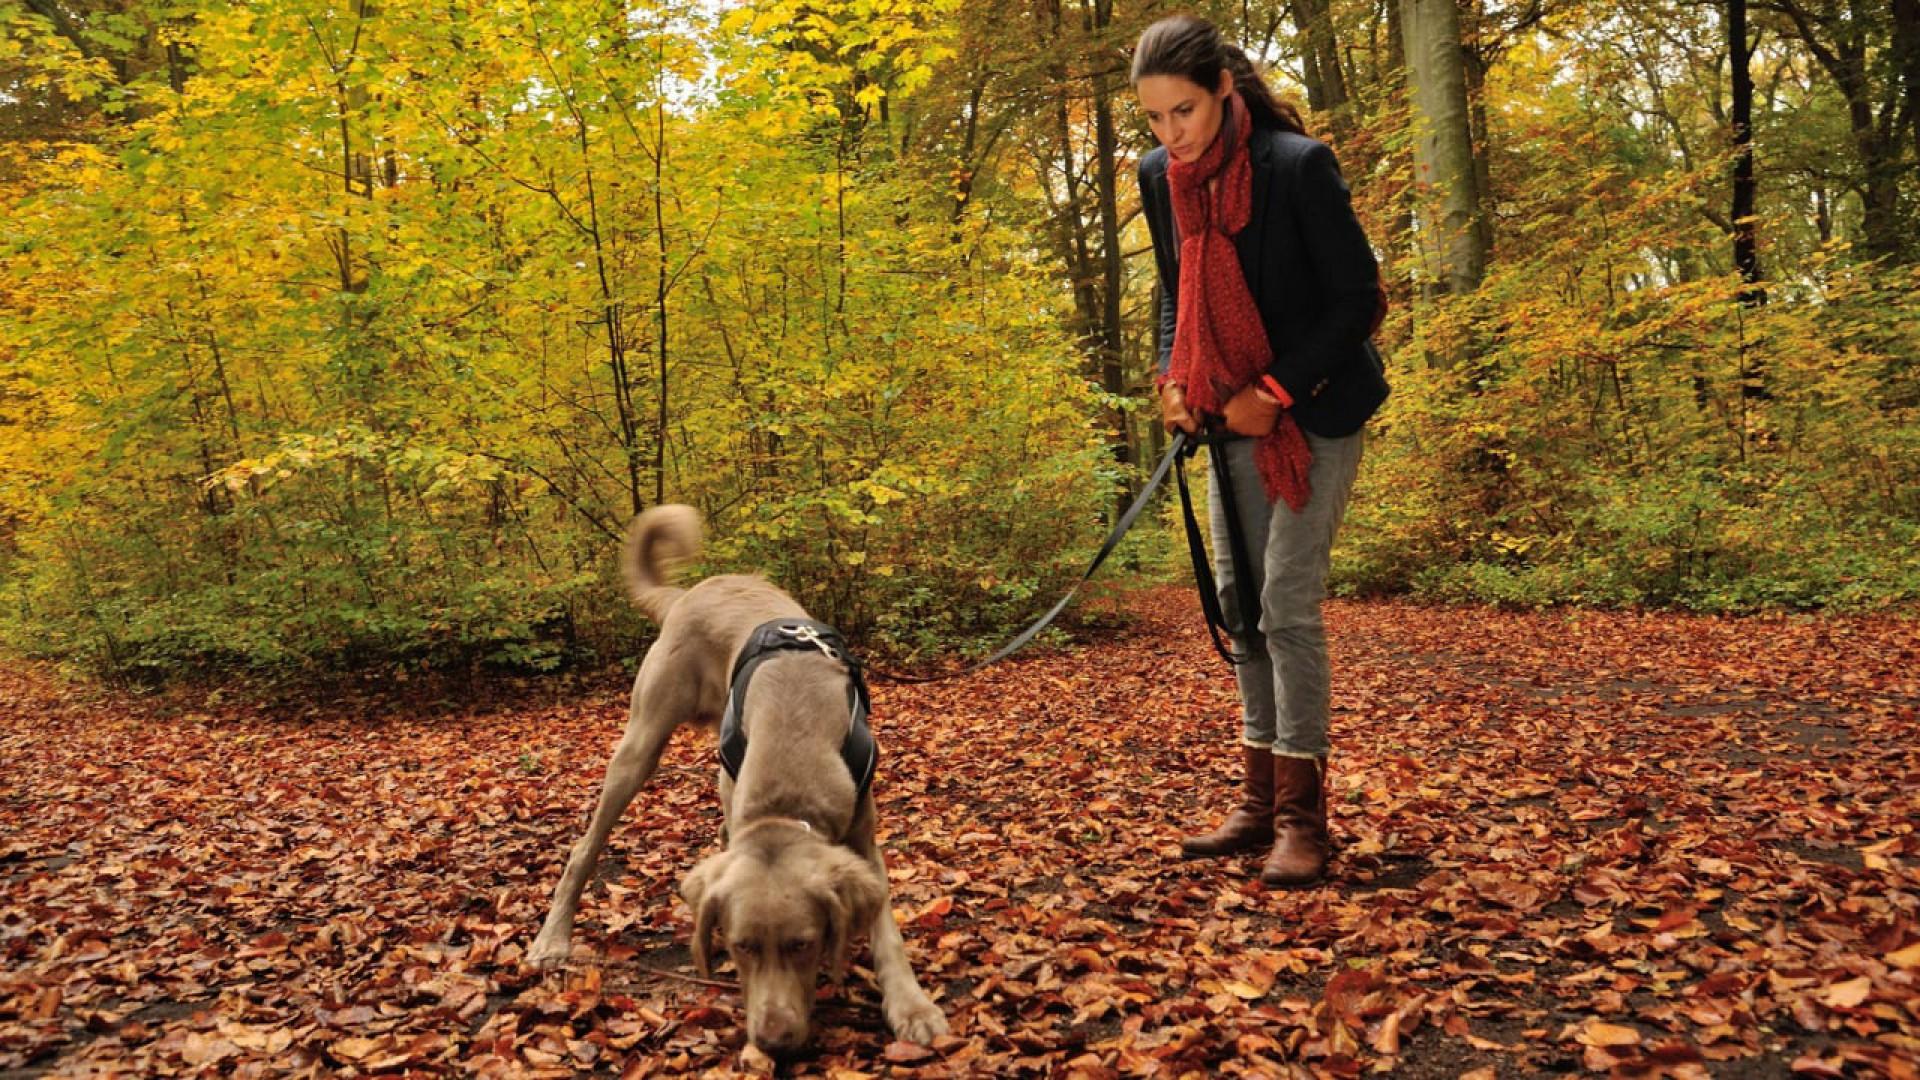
(1284, 148)
(1153, 163)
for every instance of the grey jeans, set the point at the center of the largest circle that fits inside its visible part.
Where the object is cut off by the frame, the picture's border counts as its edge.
(1284, 685)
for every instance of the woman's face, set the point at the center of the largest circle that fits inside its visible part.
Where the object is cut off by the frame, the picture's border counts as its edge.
(1184, 115)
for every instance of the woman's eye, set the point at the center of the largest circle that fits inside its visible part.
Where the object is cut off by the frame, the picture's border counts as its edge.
(795, 948)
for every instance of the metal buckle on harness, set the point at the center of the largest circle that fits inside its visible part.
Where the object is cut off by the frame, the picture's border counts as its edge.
(811, 637)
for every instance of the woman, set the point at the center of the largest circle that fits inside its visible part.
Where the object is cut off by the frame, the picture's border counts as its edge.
(1270, 293)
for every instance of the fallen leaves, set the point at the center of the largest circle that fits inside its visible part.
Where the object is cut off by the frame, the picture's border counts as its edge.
(1848, 994)
(1632, 843)
(1596, 1033)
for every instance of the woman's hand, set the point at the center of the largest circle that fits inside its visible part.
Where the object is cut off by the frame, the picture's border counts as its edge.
(1252, 411)
(1173, 409)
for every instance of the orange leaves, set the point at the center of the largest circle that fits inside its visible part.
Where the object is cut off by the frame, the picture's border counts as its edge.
(1595, 1033)
(1846, 995)
(932, 914)
(353, 890)
(1908, 957)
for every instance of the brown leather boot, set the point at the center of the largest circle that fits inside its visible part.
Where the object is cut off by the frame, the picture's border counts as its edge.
(1300, 845)
(1250, 826)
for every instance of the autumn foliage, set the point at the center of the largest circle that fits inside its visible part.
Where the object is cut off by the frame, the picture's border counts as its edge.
(337, 335)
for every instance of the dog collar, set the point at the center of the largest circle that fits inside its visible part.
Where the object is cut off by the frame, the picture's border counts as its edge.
(858, 750)
(775, 819)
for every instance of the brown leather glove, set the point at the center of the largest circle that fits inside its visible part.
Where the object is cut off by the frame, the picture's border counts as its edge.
(1173, 409)
(1252, 412)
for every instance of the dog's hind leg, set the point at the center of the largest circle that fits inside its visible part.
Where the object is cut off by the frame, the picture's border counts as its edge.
(654, 715)
(910, 1012)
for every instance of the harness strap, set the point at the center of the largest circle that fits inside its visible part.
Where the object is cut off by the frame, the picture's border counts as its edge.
(858, 750)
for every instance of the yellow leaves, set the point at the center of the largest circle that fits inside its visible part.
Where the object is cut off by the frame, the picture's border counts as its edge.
(182, 298)
(438, 470)
(895, 48)
(1908, 957)
(880, 493)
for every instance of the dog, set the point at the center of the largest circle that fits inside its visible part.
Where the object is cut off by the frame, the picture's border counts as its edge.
(800, 871)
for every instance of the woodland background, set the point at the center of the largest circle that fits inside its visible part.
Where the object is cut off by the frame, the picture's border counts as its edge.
(341, 335)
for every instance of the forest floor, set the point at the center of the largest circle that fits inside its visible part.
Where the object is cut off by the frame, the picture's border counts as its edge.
(1640, 843)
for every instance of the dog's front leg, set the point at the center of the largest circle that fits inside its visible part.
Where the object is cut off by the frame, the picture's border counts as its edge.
(632, 764)
(910, 1012)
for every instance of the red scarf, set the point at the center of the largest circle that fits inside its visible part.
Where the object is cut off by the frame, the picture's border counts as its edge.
(1219, 343)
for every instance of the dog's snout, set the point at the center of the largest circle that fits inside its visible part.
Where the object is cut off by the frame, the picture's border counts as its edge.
(780, 1031)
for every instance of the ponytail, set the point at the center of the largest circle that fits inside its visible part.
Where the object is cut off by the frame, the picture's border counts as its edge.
(1192, 48)
(1267, 110)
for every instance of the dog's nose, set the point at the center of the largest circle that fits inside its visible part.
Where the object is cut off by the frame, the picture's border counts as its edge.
(780, 1031)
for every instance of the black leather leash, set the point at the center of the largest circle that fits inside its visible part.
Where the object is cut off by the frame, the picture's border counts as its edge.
(1183, 446)
(1217, 625)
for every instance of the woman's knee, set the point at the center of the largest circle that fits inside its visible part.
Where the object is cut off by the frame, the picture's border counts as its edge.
(1292, 607)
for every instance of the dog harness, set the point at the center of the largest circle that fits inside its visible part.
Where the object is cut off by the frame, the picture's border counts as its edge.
(858, 750)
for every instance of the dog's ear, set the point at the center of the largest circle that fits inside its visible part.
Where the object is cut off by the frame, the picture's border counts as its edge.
(704, 891)
(852, 892)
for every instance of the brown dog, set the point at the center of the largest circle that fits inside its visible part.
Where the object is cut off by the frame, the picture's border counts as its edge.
(800, 873)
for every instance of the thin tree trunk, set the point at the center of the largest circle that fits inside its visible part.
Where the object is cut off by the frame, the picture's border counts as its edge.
(1072, 216)
(1746, 253)
(662, 284)
(1112, 339)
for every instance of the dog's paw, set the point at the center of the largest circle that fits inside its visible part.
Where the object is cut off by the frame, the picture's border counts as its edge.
(548, 953)
(916, 1019)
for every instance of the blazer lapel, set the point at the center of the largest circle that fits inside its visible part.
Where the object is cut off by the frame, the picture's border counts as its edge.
(1250, 242)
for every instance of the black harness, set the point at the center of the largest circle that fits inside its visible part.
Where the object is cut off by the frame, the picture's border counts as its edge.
(859, 751)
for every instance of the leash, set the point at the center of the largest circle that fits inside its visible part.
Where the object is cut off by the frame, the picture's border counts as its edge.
(1183, 446)
(1217, 626)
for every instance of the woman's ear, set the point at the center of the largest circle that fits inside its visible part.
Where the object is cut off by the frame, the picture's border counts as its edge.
(1226, 82)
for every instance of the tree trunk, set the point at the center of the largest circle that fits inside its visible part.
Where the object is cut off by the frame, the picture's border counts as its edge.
(662, 283)
(1746, 253)
(1070, 217)
(1475, 57)
(1320, 49)
(1906, 54)
(1850, 48)
(1111, 339)
(1443, 145)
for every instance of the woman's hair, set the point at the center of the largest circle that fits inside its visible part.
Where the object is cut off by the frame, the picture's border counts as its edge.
(1192, 48)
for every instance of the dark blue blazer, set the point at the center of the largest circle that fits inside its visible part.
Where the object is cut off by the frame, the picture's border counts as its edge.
(1310, 269)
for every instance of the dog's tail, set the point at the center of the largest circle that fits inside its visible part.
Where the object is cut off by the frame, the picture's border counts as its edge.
(657, 538)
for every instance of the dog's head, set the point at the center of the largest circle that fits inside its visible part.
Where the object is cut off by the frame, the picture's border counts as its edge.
(785, 910)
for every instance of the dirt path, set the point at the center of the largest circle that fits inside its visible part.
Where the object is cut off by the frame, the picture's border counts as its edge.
(1663, 844)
